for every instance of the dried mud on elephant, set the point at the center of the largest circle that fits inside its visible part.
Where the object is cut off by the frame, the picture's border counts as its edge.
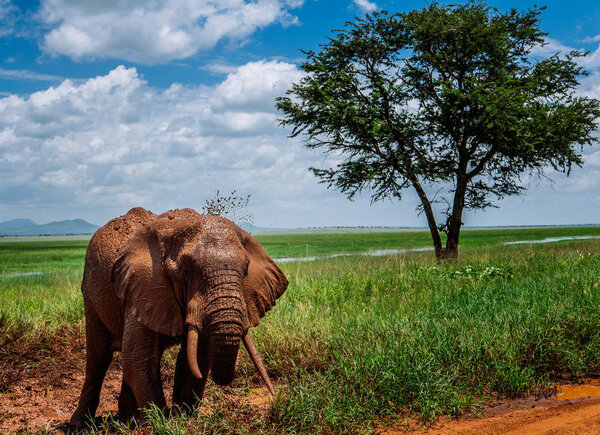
(150, 282)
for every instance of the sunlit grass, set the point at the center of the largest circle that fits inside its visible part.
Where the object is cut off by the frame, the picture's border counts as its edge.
(360, 339)
(41, 301)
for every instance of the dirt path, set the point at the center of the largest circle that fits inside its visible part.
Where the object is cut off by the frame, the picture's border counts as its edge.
(574, 410)
(573, 417)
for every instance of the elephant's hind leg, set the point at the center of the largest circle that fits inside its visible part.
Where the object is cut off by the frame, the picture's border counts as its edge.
(188, 389)
(98, 357)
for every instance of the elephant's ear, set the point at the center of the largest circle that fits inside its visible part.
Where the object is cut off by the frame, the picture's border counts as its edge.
(143, 288)
(264, 283)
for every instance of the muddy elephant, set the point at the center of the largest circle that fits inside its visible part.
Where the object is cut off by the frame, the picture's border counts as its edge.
(151, 281)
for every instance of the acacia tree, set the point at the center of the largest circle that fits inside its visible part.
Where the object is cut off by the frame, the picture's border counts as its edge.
(446, 98)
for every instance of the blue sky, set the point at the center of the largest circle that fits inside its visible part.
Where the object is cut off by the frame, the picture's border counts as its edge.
(109, 105)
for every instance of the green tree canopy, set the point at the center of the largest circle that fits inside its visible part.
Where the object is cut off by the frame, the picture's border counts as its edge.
(447, 96)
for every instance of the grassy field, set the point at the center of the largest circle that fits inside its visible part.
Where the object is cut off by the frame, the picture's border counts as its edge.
(357, 342)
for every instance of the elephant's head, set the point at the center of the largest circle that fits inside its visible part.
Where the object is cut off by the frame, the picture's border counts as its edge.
(202, 277)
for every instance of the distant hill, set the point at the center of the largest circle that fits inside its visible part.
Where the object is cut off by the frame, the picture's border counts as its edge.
(16, 223)
(27, 227)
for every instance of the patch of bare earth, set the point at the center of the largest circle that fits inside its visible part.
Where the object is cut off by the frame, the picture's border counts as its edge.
(40, 382)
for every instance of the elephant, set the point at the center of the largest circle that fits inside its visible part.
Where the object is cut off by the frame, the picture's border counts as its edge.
(152, 281)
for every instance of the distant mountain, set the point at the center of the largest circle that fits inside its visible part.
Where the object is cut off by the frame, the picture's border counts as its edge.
(27, 227)
(16, 223)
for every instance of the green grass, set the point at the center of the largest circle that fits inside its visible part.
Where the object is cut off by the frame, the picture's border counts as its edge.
(40, 284)
(51, 255)
(356, 342)
(363, 339)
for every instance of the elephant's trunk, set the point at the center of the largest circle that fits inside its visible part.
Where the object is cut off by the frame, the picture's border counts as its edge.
(224, 324)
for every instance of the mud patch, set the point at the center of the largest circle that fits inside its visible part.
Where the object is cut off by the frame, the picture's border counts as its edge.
(569, 392)
(39, 390)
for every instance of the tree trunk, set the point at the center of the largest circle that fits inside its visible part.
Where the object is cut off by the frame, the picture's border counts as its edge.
(451, 249)
(455, 221)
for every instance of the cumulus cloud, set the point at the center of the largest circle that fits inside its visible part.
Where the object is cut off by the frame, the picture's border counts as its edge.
(153, 32)
(366, 5)
(590, 85)
(255, 86)
(113, 141)
(552, 46)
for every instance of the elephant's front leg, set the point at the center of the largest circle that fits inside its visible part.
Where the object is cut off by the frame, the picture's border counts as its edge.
(187, 389)
(128, 409)
(98, 357)
(142, 350)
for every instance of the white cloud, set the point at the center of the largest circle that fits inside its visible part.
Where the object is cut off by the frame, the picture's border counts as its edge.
(590, 62)
(551, 47)
(592, 39)
(590, 85)
(19, 74)
(593, 160)
(366, 5)
(255, 86)
(113, 142)
(153, 32)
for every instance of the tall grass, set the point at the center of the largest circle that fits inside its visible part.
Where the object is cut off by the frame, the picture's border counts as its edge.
(356, 340)
(40, 284)
(50, 300)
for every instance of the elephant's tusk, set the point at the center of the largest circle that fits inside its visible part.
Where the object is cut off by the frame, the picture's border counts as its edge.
(258, 362)
(192, 351)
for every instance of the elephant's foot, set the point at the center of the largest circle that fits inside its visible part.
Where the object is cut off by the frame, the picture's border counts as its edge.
(128, 408)
(83, 416)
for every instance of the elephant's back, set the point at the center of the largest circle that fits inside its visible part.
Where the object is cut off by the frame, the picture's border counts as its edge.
(108, 242)
(103, 250)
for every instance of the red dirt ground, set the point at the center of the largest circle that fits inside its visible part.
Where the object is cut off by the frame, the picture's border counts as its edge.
(575, 409)
(38, 402)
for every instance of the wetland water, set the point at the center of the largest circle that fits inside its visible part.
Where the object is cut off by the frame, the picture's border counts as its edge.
(382, 252)
(552, 240)
(17, 274)
(377, 253)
